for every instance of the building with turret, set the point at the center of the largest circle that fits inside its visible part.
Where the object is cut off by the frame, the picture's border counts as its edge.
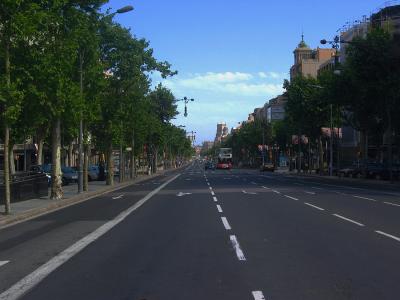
(307, 61)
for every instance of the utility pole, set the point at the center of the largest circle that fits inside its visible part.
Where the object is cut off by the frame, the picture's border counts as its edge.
(7, 194)
(263, 145)
(331, 146)
(80, 139)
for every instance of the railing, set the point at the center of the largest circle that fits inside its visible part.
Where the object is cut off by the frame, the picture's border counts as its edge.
(25, 186)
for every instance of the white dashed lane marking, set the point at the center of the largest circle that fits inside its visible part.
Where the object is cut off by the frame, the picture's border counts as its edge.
(236, 247)
(314, 206)
(393, 204)
(310, 193)
(264, 187)
(215, 199)
(219, 208)
(348, 220)
(293, 198)
(212, 193)
(226, 224)
(388, 235)
(3, 262)
(276, 192)
(258, 295)
(365, 198)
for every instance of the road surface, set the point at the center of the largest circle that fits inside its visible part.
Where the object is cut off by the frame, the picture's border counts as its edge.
(195, 234)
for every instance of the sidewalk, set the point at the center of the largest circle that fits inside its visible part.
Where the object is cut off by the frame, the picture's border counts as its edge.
(24, 210)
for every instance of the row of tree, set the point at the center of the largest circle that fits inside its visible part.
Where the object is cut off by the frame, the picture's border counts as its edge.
(364, 94)
(66, 64)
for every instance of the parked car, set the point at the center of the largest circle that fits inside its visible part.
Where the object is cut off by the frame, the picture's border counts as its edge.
(69, 175)
(38, 169)
(209, 165)
(348, 171)
(267, 167)
(93, 173)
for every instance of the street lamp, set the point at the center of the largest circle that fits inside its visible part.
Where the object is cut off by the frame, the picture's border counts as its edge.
(192, 136)
(80, 139)
(186, 101)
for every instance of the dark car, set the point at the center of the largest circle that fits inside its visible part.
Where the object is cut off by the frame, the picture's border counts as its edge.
(267, 167)
(93, 173)
(69, 175)
(38, 169)
(349, 171)
(209, 165)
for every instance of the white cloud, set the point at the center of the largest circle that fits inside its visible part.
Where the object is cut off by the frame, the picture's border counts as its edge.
(225, 96)
(262, 75)
(241, 84)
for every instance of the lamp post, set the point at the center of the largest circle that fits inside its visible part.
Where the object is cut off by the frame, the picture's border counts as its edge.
(80, 139)
(335, 45)
(192, 136)
(186, 100)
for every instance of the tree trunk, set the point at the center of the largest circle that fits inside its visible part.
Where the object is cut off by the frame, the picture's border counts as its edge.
(56, 177)
(321, 155)
(12, 159)
(86, 153)
(390, 148)
(110, 166)
(86, 167)
(299, 163)
(7, 194)
(70, 154)
(365, 154)
(40, 150)
(133, 163)
(155, 156)
(7, 69)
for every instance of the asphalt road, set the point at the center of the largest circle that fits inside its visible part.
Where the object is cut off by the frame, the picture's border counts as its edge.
(212, 235)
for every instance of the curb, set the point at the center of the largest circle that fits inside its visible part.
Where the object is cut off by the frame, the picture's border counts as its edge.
(55, 206)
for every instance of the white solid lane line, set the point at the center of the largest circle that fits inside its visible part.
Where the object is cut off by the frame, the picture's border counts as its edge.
(30, 281)
(314, 206)
(236, 246)
(215, 199)
(365, 198)
(258, 295)
(388, 235)
(226, 224)
(293, 198)
(393, 204)
(348, 220)
(219, 208)
(3, 262)
(118, 197)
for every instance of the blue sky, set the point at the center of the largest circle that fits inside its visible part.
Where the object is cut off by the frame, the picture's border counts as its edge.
(232, 56)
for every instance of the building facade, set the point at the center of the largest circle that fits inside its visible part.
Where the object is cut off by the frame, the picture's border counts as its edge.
(222, 132)
(307, 61)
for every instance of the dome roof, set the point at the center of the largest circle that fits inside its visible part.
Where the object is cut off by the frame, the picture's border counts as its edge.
(302, 44)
